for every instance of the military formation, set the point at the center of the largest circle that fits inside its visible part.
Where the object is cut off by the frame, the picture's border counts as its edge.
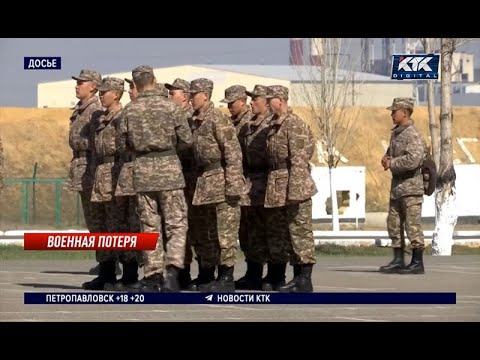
(171, 163)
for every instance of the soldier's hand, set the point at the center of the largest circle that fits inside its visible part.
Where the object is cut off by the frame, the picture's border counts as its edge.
(387, 164)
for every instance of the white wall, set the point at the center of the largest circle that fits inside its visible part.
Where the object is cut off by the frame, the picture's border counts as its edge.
(350, 178)
(366, 94)
(61, 94)
(468, 193)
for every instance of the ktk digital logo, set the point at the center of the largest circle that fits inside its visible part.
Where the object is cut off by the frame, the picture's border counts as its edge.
(415, 67)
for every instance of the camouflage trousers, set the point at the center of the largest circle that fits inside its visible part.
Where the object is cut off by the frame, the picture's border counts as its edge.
(223, 220)
(167, 207)
(279, 247)
(243, 231)
(94, 215)
(87, 206)
(128, 208)
(189, 190)
(299, 219)
(203, 235)
(406, 213)
(267, 235)
(111, 216)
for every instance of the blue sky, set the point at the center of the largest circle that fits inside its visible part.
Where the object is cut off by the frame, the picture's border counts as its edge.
(19, 86)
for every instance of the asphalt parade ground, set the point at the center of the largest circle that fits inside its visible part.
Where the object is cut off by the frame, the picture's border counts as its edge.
(458, 273)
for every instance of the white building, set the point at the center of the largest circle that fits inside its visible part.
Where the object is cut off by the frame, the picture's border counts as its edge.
(369, 90)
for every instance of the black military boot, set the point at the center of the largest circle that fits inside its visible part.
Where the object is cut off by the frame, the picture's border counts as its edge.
(291, 284)
(205, 276)
(224, 282)
(304, 280)
(106, 276)
(184, 277)
(96, 269)
(275, 277)
(252, 279)
(396, 264)
(130, 276)
(416, 265)
(152, 283)
(171, 283)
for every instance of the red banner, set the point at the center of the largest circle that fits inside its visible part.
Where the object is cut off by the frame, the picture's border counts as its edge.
(90, 241)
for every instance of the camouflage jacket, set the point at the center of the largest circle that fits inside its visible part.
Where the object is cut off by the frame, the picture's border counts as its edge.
(186, 155)
(407, 151)
(240, 122)
(256, 164)
(106, 157)
(155, 129)
(290, 146)
(242, 119)
(83, 121)
(218, 157)
(2, 166)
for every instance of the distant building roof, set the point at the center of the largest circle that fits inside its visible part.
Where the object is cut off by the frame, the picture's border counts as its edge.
(293, 73)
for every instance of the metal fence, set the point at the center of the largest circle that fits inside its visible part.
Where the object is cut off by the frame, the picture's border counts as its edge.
(40, 201)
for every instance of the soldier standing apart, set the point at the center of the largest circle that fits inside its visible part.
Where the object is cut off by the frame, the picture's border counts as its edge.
(236, 98)
(219, 186)
(151, 125)
(290, 147)
(111, 214)
(405, 158)
(179, 93)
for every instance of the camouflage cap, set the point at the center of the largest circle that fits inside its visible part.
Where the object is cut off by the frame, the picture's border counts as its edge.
(258, 90)
(277, 91)
(402, 103)
(179, 84)
(234, 93)
(130, 81)
(199, 85)
(89, 75)
(162, 88)
(111, 83)
(138, 71)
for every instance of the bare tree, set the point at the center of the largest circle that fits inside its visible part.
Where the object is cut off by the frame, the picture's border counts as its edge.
(445, 196)
(429, 46)
(328, 90)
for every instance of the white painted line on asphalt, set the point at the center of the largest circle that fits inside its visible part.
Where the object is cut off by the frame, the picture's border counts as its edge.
(455, 271)
(84, 311)
(231, 307)
(359, 319)
(352, 288)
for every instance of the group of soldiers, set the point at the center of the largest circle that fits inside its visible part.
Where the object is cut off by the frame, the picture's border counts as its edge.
(171, 163)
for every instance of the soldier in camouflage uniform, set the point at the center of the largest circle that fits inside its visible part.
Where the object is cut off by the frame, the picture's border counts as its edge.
(125, 197)
(236, 98)
(82, 125)
(111, 215)
(162, 88)
(267, 230)
(154, 127)
(179, 93)
(2, 166)
(405, 158)
(290, 145)
(219, 187)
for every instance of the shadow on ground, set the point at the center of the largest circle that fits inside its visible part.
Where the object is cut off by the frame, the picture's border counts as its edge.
(51, 286)
(67, 272)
